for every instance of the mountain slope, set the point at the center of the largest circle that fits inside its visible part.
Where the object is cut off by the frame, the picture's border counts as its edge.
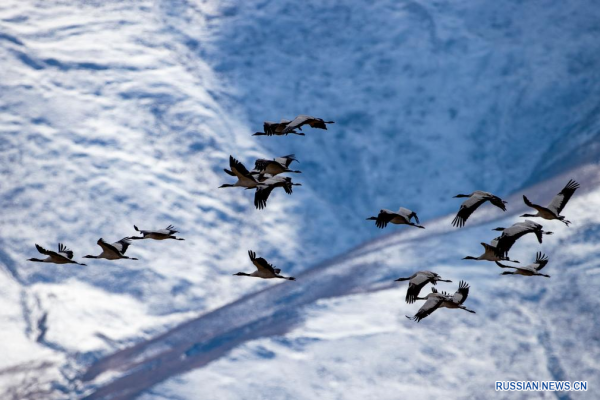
(522, 329)
(117, 113)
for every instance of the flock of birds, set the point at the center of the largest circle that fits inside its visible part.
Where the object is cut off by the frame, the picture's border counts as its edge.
(265, 177)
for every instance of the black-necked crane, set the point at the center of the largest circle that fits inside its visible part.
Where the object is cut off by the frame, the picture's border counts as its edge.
(159, 234)
(435, 300)
(511, 235)
(400, 217)
(417, 281)
(529, 270)
(264, 189)
(276, 129)
(489, 253)
(301, 120)
(275, 166)
(556, 206)
(113, 251)
(245, 178)
(264, 270)
(63, 256)
(474, 200)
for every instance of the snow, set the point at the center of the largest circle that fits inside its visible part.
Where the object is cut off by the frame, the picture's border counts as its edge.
(117, 113)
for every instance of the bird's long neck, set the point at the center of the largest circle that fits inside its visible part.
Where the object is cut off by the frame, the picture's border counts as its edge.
(91, 257)
(35, 260)
(401, 279)
(462, 195)
(470, 258)
(530, 215)
(226, 185)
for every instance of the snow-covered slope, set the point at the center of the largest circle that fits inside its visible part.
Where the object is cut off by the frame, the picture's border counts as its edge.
(108, 120)
(340, 330)
(116, 113)
(429, 97)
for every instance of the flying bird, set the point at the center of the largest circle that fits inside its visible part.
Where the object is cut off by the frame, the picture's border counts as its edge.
(159, 234)
(63, 256)
(264, 270)
(417, 281)
(401, 217)
(113, 251)
(474, 200)
(245, 178)
(301, 120)
(275, 166)
(556, 206)
(511, 235)
(435, 300)
(276, 129)
(529, 270)
(264, 189)
(489, 253)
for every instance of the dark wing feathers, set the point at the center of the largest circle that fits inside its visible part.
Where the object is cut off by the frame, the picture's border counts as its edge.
(63, 249)
(541, 259)
(261, 196)
(41, 249)
(261, 164)
(559, 201)
(121, 246)
(462, 293)
(288, 187)
(261, 263)
(497, 201)
(466, 209)
(383, 219)
(432, 304)
(235, 164)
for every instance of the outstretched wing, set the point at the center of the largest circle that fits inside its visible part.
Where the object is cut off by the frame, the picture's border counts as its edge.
(122, 245)
(261, 164)
(512, 234)
(560, 200)
(383, 218)
(462, 293)
(414, 287)
(42, 250)
(238, 168)
(296, 123)
(540, 261)
(260, 263)
(432, 304)
(63, 249)
(466, 209)
(286, 160)
(262, 195)
(498, 202)
(172, 229)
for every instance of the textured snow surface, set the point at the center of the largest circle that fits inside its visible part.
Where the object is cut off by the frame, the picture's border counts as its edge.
(362, 346)
(114, 113)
